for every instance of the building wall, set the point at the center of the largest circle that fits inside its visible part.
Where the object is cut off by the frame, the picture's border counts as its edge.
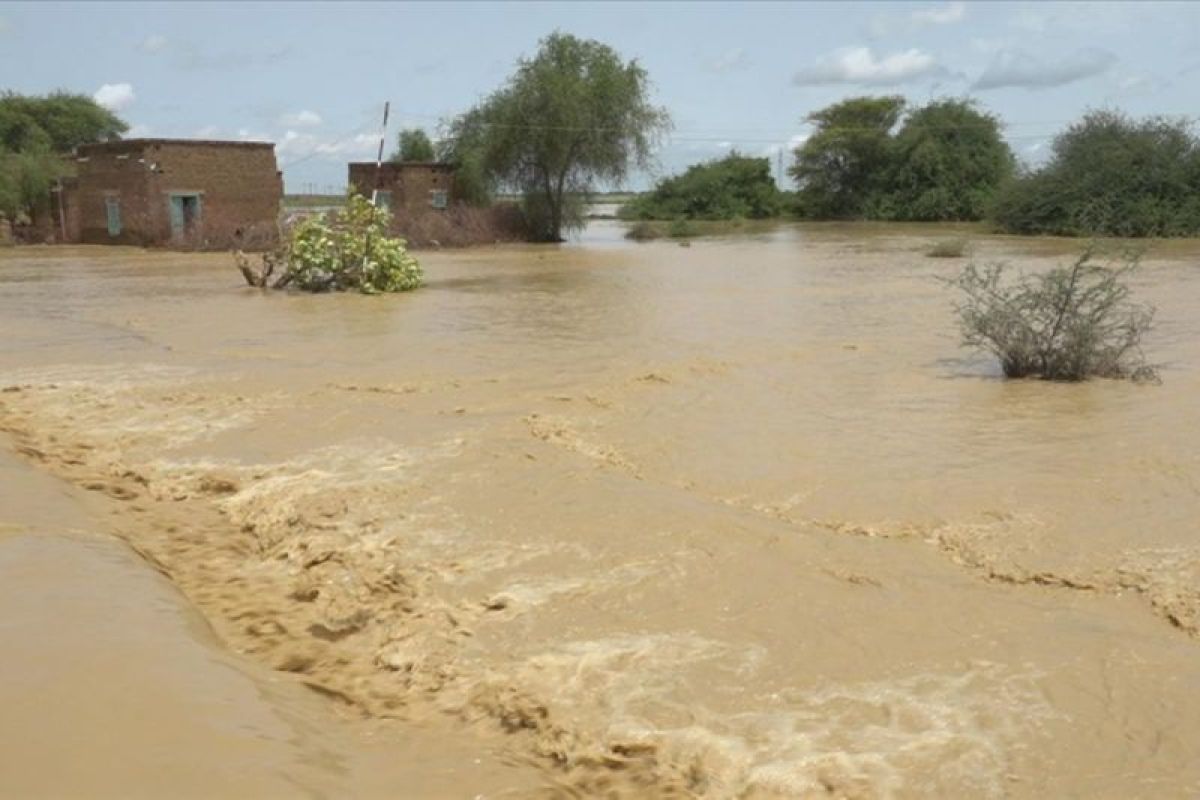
(238, 184)
(411, 185)
(118, 171)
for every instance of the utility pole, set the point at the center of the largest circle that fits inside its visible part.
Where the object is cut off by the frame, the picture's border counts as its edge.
(379, 159)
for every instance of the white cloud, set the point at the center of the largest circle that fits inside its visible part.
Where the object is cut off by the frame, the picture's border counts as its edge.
(301, 119)
(859, 65)
(115, 96)
(1019, 68)
(730, 60)
(207, 132)
(940, 15)
(138, 131)
(154, 43)
(296, 145)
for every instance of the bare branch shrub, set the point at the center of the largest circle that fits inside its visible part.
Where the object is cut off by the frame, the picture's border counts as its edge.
(1069, 324)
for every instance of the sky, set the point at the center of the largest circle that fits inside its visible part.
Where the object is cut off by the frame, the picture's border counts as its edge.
(313, 77)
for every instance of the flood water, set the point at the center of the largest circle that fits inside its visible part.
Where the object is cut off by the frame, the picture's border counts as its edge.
(738, 519)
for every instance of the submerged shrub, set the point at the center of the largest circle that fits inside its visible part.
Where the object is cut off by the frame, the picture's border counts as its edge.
(349, 249)
(643, 232)
(949, 248)
(682, 229)
(1069, 324)
(732, 187)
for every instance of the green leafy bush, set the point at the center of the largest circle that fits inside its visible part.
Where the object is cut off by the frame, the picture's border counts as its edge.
(1068, 324)
(348, 250)
(724, 188)
(1110, 175)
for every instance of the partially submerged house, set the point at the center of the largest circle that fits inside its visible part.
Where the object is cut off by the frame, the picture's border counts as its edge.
(182, 193)
(411, 186)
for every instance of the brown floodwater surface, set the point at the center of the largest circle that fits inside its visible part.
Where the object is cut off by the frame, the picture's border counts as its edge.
(738, 519)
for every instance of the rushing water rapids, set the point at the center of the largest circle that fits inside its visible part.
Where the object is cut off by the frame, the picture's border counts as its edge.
(733, 520)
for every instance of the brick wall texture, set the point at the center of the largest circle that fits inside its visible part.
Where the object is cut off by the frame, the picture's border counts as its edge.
(238, 185)
(411, 184)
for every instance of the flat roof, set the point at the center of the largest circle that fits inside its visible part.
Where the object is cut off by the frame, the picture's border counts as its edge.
(136, 144)
(394, 164)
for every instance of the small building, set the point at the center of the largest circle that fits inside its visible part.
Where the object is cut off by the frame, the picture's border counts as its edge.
(411, 186)
(184, 193)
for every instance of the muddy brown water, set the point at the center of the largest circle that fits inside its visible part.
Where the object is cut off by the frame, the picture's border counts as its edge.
(731, 520)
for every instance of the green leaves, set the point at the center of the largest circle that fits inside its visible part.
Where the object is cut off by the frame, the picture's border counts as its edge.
(413, 145)
(570, 116)
(351, 251)
(945, 163)
(735, 186)
(1111, 175)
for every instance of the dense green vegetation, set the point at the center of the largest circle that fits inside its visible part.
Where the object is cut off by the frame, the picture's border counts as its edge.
(1110, 175)
(572, 115)
(34, 133)
(842, 169)
(945, 162)
(732, 187)
(349, 249)
(413, 145)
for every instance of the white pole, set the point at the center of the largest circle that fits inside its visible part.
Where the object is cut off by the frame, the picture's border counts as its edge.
(379, 158)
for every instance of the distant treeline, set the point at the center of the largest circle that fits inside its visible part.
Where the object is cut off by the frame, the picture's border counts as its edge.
(870, 158)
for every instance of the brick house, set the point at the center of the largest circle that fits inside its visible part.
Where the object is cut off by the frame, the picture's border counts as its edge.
(413, 187)
(181, 193)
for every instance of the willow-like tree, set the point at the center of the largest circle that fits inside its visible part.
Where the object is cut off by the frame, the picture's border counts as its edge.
(413, 145)
(573, 115)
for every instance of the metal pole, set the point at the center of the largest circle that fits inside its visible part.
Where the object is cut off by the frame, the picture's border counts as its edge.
(62, 217)
(379, 158)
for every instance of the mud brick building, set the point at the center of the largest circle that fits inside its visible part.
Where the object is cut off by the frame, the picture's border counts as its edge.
(413, 187)
(183, 193)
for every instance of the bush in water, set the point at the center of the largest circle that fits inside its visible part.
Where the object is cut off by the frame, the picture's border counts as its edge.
(348, 250)
(1069, 324)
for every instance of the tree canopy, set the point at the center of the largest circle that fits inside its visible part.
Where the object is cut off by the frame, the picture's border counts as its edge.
(945, 162)
(66, 120)
(724, 188)
(841, 169)
(572, 115)
(34, 133)
(948, 160)
(413, 145)
(1109, 174)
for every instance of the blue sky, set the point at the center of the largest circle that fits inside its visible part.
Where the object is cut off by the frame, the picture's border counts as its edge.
(312, 77)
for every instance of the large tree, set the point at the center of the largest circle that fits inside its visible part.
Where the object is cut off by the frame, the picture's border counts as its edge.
(572, 115)
(841, 170)
(68, 120)
(949, 159)
(413, 145)
(1110, 175)
(35, 132)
